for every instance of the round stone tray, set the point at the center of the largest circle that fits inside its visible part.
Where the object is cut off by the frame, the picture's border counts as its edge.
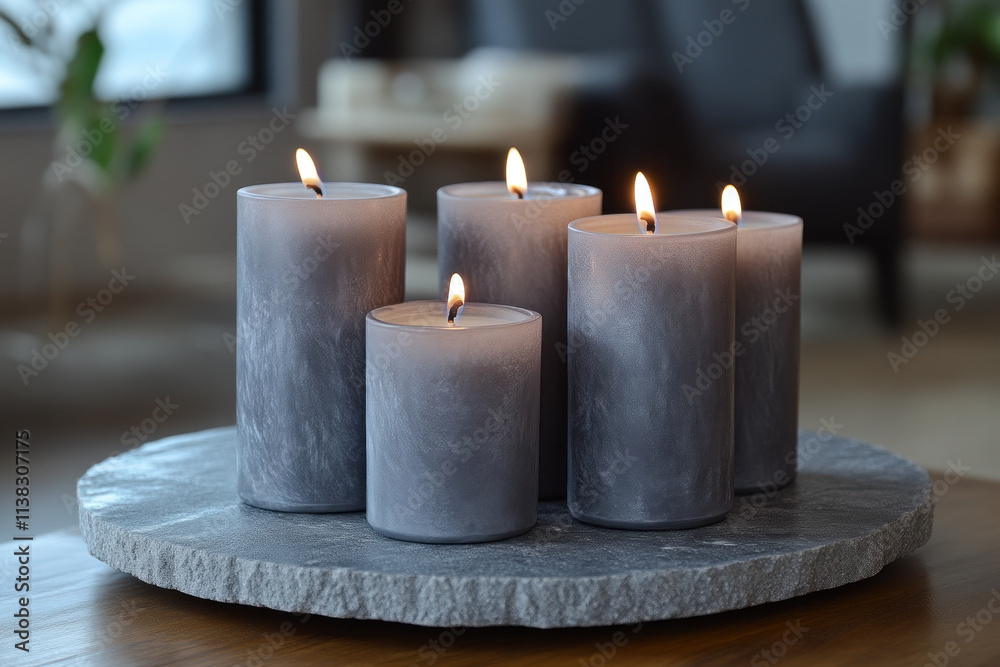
(168, 513)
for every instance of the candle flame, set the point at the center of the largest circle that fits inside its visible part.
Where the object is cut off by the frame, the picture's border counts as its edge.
(308, 174)
(645, 210)
(517, 179)
(732, 210)
(456, 298)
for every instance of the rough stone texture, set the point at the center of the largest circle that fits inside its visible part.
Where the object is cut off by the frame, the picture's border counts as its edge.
(168, 513)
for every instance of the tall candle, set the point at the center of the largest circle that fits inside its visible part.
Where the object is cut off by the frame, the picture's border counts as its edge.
(308, 271)
(452, 422)
(766, 348)
(512, 250)
(645, 311)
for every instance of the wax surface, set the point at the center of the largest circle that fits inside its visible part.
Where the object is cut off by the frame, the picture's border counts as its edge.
(646, 312)
(497, 190)
(513, 252)
(433, 314)
(308, 272)
(452, 424)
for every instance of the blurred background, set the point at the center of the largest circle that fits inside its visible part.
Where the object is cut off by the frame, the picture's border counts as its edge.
(127, 126)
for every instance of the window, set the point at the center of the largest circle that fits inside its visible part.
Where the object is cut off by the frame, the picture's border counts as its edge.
(153, 48)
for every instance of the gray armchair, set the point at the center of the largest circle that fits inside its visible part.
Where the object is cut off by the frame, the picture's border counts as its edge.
(722, 114)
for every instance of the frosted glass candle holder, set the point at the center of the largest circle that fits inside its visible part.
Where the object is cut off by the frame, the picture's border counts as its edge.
(308, 271)
(452, 422)
(645, 313)
(766, 348)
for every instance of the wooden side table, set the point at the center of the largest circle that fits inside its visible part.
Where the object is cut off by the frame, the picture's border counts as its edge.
(938, 606)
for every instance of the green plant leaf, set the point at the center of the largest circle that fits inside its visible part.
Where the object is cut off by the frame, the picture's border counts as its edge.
(76, 92)
(104, 142)
(972, 31)
(143, 146)
(991, 35)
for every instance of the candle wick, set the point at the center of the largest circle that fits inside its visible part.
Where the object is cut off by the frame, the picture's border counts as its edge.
(453, 311)
(650, 223)
(519, 193)
(317, 189)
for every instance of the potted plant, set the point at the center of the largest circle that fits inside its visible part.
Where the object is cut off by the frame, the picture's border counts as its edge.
(93, 159)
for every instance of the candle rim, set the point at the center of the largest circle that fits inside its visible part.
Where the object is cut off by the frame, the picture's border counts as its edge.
(628, 221)
(575, 190)
(750, 219)
(438, 308)
(376, 190)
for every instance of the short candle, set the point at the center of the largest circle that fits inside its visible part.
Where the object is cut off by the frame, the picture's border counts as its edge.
(452, 421)
(508, 240)
(309, 269)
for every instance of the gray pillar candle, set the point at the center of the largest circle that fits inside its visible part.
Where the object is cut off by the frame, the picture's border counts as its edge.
(645, 312)
(513, 251)
(308, 271)
(766, 347)
(452, 422)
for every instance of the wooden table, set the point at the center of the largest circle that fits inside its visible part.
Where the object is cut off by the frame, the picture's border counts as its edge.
(924, 605)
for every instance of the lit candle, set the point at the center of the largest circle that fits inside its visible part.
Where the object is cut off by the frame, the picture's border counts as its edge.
(312, 260)
(766, 347)
(452, 420)
(509, 242)
(651, 298)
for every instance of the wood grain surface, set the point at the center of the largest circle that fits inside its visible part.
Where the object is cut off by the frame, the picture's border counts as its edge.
(943, 598)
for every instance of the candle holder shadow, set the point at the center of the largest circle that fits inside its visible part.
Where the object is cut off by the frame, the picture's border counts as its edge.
(168, 514)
